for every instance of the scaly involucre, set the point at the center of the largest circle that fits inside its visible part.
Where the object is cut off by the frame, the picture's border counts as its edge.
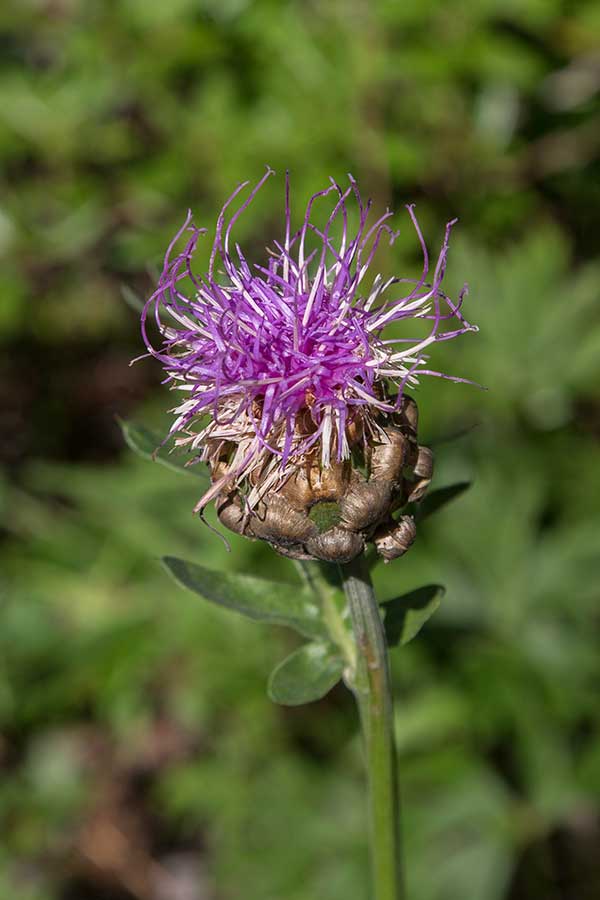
(287, 362)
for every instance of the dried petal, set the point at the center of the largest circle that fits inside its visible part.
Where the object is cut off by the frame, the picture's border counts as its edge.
(336, 545)
(365, 504)
(387, 460)
(423, 469)
(394, 541)
(277, 522)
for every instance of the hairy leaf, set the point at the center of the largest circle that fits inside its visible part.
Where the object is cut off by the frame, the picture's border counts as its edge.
(266, 601)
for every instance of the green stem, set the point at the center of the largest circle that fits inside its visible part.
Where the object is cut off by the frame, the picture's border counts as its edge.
(326, 589)
(371, 685)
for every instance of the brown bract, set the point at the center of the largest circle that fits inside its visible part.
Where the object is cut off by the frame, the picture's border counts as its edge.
(331, 513)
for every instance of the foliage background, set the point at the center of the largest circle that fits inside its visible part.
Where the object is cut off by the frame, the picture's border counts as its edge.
(139, 756)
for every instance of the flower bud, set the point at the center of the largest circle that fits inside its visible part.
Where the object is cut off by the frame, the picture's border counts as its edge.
(294, 389)
(330, 513)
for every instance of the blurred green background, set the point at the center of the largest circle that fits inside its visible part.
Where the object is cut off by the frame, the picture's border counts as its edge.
(139, 755)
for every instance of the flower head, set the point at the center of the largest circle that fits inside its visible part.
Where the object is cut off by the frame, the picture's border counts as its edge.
(287, 367)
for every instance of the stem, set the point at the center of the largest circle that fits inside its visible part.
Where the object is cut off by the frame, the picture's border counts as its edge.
(325, 590)
(372, 688)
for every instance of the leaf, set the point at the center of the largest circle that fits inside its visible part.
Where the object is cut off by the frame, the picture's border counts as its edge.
(439, 498)
(132, 300)
(147, 443)
(308, 674)
(449, 437)
(406, 615)
(266, 601)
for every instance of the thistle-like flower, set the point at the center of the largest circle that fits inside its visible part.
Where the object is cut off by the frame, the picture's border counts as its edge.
(295, 395)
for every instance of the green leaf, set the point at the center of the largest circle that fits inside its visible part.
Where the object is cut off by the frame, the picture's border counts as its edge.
(146, 444)
(449, 437)
(266, 601)
(132, 299)
(308, 674)
(406, 615)
(437, 499)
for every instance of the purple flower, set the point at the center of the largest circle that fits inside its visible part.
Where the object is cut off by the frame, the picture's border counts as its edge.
(291, 360)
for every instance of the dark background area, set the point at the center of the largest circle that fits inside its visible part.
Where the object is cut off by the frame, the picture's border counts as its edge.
(139, 755)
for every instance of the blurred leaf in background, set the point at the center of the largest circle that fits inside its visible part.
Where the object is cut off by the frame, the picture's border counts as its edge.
(139, 755)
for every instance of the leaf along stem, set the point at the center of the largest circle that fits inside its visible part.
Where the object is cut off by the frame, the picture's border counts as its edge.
(371, 685)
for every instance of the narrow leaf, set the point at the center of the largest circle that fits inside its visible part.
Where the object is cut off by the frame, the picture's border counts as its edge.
(306, 675)
(449, 437)
(146, 444)
(406, 615)
(437, 499)
(257, 598)
(132, 299)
